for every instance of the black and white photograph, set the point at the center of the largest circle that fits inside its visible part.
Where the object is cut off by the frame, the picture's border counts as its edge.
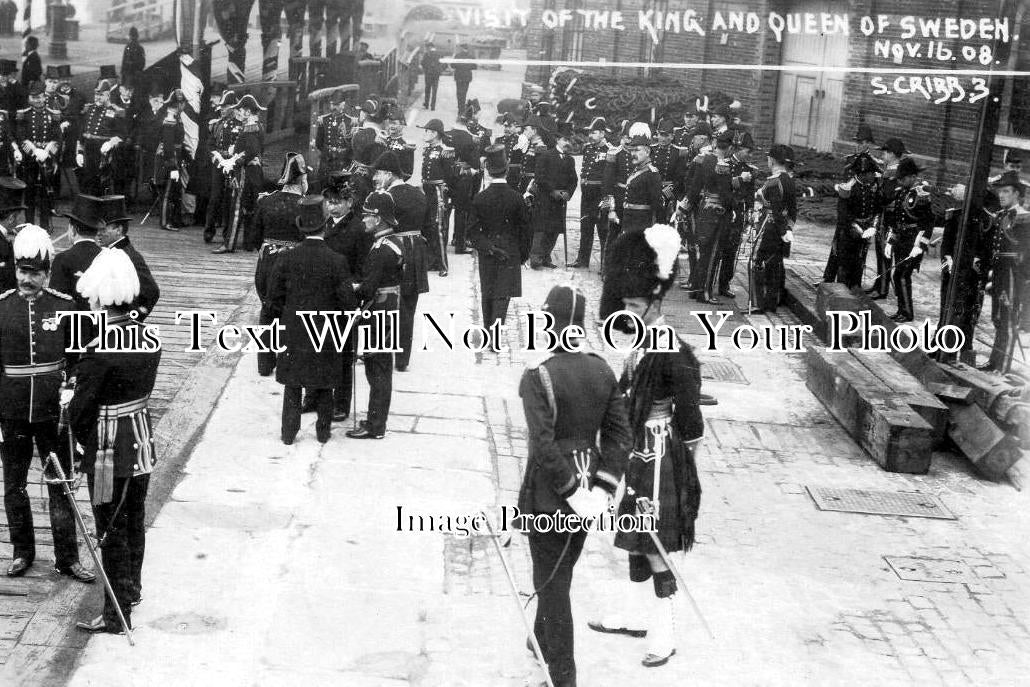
(514, 343)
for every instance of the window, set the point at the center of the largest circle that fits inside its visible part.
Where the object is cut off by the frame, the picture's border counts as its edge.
(1015, 104)
(572, 34)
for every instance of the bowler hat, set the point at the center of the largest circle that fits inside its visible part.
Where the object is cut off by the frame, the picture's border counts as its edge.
(896, 146)
(107, 71)
(389, 162)
(380, 204)
(496, 160)
(434, 125)
(907, 167)
(310, 216)
(12, 195)
(87, 211)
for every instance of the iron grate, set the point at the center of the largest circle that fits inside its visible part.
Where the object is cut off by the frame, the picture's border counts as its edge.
(922, 569)
(911, 504)
(722, 370)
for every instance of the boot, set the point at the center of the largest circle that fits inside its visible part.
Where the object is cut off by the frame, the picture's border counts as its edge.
(631, 619)
(662, 644)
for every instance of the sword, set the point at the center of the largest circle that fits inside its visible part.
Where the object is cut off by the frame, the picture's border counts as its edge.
(646, 507)
(515, 595)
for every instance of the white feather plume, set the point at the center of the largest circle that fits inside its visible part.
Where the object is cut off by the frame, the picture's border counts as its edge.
(665, 241)
(33, 241)
(110, 280)
(640, 129)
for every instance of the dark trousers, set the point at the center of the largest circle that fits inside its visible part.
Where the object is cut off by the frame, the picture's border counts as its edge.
(343, 394)
(16, 451)
(494, 309)
(435, 228)
(291, 410)
(728, 248)
(379, 373)
(1005, 305)
(588, 221)
(432, 84)
(217, 204)
(543, 246)
(711, 224)
(265, 361)
(882, 285)
(121, 524)
(463, 90)
(850, 260)
(766, 278)
(964, 310)
(37, 196)
(830, 271)
(248, 198)
(409, 304)
(553, 626)
(902, 278)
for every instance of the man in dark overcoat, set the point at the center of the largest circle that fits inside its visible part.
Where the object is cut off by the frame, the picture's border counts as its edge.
(309, 277)
(115, 235)
(556, 181)
(85, 219)
(500, 232)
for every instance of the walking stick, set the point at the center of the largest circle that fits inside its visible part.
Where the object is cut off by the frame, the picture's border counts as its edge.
(98, 565)
(646, 507)
(515, 595)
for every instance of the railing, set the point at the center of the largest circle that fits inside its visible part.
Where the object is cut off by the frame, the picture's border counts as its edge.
(280, 98)
(320, 104)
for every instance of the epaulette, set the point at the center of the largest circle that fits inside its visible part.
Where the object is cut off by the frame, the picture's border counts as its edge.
(59, 294)
(534, 364)
(652, 168)
(22, 112)
(250, 128)
(844, 190)
(56, 113)
(264, 194)
(7, 293)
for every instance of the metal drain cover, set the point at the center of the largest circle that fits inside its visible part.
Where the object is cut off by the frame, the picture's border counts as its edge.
(912, 504)
(722, 370)
(919, 569)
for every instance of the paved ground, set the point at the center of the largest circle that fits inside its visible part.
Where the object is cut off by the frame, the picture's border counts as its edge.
(279, 565)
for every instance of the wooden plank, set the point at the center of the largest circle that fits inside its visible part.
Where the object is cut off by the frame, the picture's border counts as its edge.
(908, 389)
(988, 448)
(54, 617)
(951, 392)
(801, 299)
(896, 437)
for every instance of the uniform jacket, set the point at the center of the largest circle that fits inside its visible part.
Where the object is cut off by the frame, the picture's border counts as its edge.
(1006, 248)
(8, 280)
(384, 268)
(40, 126)
(571, 399)
(69, 265)
(779, 196)
(500, 231)
(620, 166)
(712, 179)
(31, 335)
(349, 238)
(410, 210)
(103, 381)
(309, 277)
(911, 213)
(405, 153)
(436, 165)
(149, 291)
(643, 188)
(594, 168)
(223, 133)
(554, 172)
(274, 219)
(103, 121)
(334, 138)
(251, 143)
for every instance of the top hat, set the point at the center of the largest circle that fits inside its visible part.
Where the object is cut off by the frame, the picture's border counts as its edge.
(12, 195)
(434, 125)
(8, 67)
(64, 71)
(389, 162)
(896, 146)
(52, 72)
(228, 99)
(294, 167)
(113, 209)
(380, 204)
(33, 249)
(864, 134)
(496, 160)
(1010, 178)
(88, 212)
(249, 102)
(597, 124)
(908, 166)
(783, 154)
(641, 264)
(567, 305)
(107, 71)
(310, 216)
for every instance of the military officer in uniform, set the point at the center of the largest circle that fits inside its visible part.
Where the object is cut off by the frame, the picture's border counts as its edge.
(102, 131)
(911, 228)
(110, 417)
(38, 134)
(556, 181)
(405, 152)
(115, 235)
(334, 139)
(500, 231)
(172, 160)
(710, 197)
(12, 201)
(86, 218)
(592, 212)
(465, 181)
(410, 212)
(665, 157)
(579, 440)
(437, 176)
(643, 202)
(274, 232)
(858, 203)
(742, 178)
(309, 277)
(33, 354)
(619, 167)
(531, 145)
(246, 164)
(1006, 257)
(510, 141)
(893, 152)
(223, 133)
(379, 292)
(778, 201)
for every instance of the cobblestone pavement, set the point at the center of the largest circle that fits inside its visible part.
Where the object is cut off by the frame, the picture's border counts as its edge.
(280, 565)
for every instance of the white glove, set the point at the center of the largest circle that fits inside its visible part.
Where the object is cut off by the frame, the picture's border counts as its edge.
(788, 236)
(589, 503)
(105, 147)
(888, 251)
(947, 263)
(917, 250)
(174, 175)
(80, 161)
(869, 233)
(64, 125)
(40, 154)
(522, 144)
(66, 396)
(17, 156)
(746, 176)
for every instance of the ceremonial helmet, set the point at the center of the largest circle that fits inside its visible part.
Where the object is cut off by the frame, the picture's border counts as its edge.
(908, 167)
(380, 204)
(33, 249)
(640, 265)
(639, 134)
(567, 305)
(862, 163)
(249, 102)
(111, 279)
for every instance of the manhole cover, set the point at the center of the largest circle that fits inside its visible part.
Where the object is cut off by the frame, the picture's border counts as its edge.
(722, 370)
(919, 569)
(880, 502)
